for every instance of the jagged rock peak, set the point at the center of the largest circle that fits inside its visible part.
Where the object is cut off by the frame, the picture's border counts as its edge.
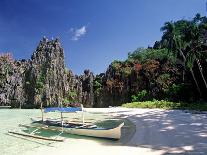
(46, 44)
(48, 50)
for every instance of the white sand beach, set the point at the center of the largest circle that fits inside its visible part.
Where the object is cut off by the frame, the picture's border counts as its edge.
(158, 132)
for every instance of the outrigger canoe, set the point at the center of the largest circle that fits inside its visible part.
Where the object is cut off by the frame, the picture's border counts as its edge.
(63, 126)
(77, 129)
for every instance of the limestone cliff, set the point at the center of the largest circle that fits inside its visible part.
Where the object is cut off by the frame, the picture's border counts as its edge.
(42, 79)
(12, 81)
(46, 78)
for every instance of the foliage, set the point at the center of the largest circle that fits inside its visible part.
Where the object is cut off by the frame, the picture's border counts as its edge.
(167, 105)
(116, 64)
(175, 89)
(41, 79)
(175, 92)
(66, 101)
(72, 94)
(97, 85)
(143, 55)
(39, 85)
(186, 39)
(65, 70)
(151, 66)
(153, 104)
(40, 82)
(71, 97)
(174, 64)
(164, 81)
(140, 96)
(126, 71)
(137, 67)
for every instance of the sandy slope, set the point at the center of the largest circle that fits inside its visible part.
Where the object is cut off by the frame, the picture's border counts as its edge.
(158, 132)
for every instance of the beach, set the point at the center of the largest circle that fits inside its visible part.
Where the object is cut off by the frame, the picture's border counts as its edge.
(103, 77)
(157, 132)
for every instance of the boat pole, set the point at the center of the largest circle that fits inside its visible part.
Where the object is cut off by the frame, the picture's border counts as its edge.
(42, 112)
(62, 121)
(82, 114)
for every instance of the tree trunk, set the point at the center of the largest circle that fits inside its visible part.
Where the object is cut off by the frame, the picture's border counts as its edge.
(192, 73)
(201, 71)
(183, 75)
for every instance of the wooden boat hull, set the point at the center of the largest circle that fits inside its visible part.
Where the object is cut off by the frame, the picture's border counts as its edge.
(111, 133)
(114, 133)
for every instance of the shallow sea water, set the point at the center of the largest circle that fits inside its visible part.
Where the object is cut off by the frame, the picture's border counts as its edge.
(11, 118)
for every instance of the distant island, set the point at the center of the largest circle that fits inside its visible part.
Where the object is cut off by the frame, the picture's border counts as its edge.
(174, 70)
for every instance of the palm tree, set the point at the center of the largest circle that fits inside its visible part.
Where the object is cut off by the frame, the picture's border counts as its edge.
(173, 41)
(194, 49)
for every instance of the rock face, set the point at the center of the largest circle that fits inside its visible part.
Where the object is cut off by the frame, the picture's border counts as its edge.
(12, 81)
(87, 88)
(44, 79)
(111, 89)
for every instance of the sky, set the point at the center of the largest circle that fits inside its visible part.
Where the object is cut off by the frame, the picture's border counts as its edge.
(93, 33)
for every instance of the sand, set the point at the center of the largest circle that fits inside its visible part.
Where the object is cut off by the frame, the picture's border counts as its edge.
(158, 132)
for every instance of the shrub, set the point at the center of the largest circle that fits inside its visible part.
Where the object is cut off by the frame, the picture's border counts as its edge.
(70, 97)
(126, 71)
(116, 64)
(175, 91)
(167, 105)
(140, 96)
(153, 104)
(142, 55)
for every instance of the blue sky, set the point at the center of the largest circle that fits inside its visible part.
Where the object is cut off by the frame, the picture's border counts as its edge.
(93, 33)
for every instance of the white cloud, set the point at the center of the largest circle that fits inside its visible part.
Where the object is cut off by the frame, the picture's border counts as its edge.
(78, 33)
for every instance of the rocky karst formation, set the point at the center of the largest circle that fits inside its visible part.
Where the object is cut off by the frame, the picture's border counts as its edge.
(12, 81)
(45, 79)
(87, 88)
(42, 79)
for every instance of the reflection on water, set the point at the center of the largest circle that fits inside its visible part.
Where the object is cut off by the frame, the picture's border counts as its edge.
(13, 144)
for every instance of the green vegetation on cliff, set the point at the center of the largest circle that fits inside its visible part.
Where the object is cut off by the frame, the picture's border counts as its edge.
(70, 98)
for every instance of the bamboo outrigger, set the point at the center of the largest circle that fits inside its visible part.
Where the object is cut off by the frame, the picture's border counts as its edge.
(5, 107)
(36, 136)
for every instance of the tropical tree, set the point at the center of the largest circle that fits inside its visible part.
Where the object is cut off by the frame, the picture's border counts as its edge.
(172, 39)
(195, 48)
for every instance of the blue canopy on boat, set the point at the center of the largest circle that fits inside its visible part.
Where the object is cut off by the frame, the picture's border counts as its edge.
(67, 109)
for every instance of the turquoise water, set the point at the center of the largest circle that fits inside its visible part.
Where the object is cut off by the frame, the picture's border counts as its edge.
(11, 118)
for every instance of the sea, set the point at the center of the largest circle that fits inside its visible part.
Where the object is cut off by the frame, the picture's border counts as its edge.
(11, 118)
